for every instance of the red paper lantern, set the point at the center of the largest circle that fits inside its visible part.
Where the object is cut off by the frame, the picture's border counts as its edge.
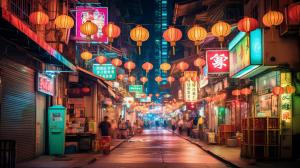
(182, 66)
(290, 89)
(172, 35)
(111, 31)
(158, 79)
(147, 66)
(170, 79)
(121, 77)
(143, 79)
(199, 62)
(236, 92)
(116, 62)
(247, 24)
(278, 90)
(246, 91)
(294, 13)
(39, 18)
(131, 79)
(157, 94)
(101, 59)
(129, 65)
(85, 89)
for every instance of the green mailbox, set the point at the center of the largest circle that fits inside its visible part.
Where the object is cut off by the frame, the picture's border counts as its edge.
(57, 122)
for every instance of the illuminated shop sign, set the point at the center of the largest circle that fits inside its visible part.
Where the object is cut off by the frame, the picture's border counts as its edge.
(286, 99)
(45, 84)
(190, 91)
(217, 61)
(98, 15)
(190, 87)
(136, 88)
(245, 53)
(106, 71)
(145, 100)
(140, 95)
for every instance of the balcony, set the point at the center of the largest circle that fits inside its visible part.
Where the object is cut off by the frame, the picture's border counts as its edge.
(18, 32)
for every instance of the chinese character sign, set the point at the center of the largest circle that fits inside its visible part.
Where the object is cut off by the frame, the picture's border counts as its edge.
(98, 15)
(286, 107)
(106, 71)
(217, 61)
(190, 91)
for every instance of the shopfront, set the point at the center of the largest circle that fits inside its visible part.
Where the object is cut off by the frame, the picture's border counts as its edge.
(90, 98)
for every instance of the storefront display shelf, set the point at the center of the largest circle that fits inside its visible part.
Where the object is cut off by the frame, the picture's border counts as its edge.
(260, 135)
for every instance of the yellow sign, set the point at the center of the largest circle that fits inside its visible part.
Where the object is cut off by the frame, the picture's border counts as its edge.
(190, 74)
(286, 99)
(190, 91)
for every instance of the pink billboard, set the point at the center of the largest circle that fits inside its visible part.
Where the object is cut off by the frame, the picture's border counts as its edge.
(98, 15)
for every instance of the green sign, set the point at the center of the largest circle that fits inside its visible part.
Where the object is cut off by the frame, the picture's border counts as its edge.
(136, 88)
(106, 71)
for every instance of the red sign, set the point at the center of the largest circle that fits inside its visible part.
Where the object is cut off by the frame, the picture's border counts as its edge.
(45, 84)
(217, 61)
(98, 15)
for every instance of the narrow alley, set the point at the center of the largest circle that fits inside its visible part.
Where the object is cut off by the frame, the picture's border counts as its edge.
(157, 149)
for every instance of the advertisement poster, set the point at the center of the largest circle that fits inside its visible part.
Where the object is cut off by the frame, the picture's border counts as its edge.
(240, 56)
(98, 15)
(203, 77)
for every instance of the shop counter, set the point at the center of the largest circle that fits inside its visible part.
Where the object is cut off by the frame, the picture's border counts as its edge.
(84, 140)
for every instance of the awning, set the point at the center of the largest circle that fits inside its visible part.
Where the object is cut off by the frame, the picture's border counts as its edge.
(257, 71)
(27, 38)
(101, 81)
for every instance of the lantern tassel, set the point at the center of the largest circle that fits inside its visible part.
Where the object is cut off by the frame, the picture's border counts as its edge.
(173, 49)
(139, 50)
(197, 49)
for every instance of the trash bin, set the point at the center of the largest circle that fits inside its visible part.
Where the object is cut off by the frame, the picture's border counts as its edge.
(105, 143)
(7, 153)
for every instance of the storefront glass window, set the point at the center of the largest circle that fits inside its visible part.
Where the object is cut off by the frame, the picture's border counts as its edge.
(265, 83)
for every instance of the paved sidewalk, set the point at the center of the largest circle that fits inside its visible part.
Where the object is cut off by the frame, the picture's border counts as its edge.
(231, 155)
(70, 160)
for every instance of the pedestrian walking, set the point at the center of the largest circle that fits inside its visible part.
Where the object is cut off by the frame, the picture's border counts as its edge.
(173, 123)
(200, 126)
(180, 126)
(104, 128)
(189, 127)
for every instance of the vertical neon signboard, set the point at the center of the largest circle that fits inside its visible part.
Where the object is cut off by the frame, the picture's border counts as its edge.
(98, 15)
(190, 87)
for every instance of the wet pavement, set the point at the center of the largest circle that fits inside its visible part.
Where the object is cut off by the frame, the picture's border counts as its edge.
(157, 149)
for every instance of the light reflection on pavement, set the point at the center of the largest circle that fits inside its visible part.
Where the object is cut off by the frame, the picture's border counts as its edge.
(157, 149)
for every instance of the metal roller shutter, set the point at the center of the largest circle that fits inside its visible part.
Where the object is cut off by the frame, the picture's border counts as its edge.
(17, 117)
